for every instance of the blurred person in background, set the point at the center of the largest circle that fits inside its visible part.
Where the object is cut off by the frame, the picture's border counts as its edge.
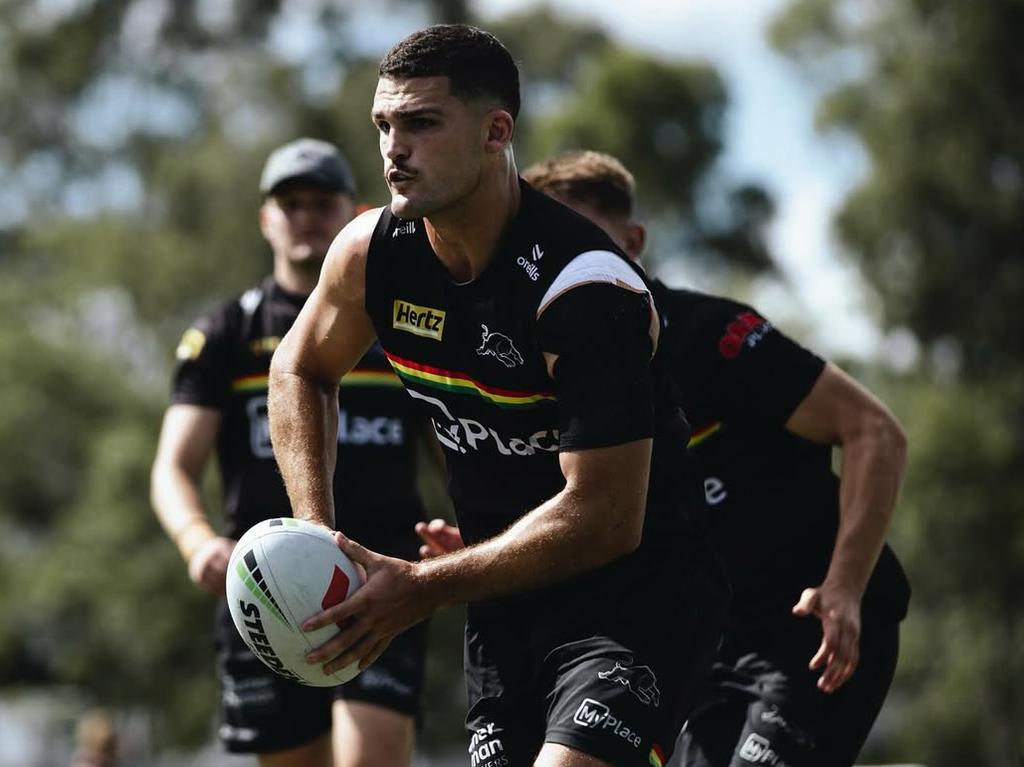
(219, 404)
(798, 541)
(95, 741)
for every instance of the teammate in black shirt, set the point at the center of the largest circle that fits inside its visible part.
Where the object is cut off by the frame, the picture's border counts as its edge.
(219, 404)
(527, 337)
(798, 540)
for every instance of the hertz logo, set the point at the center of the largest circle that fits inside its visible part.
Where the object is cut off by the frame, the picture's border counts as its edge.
(418, 320)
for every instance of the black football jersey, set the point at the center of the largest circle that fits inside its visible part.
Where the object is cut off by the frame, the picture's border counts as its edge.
(223, 363)
(471, 356)
(773, 498)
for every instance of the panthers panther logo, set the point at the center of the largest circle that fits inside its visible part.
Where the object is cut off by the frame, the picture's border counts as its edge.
(501, 347)
(640, 680)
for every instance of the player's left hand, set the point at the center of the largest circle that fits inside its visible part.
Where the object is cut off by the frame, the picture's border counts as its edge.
(208, 565)
(389, 601)
(838, 610)
(438, 538)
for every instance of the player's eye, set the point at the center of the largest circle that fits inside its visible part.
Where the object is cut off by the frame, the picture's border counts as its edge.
(420, 123)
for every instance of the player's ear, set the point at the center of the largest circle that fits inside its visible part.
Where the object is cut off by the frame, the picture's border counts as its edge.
(499, 126)
(635, 236)
(263, 217)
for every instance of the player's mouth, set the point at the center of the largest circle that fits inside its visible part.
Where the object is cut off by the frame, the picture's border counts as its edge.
(398, 178)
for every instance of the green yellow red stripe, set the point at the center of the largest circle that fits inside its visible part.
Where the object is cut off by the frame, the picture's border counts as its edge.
(703, 433)
(250, 383)
(460, 383)
(657, 756)
(352, 378)
(371, 378)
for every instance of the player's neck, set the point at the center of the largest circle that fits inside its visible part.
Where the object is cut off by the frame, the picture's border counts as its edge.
(465, 236)
(295, 279)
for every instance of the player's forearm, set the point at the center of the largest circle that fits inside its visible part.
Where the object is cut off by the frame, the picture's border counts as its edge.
(567, 535)
(178, 504)
(872, 470)
(303, 431)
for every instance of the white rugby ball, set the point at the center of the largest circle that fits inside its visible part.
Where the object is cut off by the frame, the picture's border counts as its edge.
(282, 572)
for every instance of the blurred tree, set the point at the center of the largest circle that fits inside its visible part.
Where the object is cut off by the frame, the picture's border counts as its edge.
(587, 93)
(931, 89)
(92, 596)
(936, 225)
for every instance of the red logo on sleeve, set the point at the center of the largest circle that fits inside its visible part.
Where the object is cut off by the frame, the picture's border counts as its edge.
(748, 328)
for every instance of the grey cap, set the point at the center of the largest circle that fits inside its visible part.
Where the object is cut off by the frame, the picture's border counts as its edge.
(307, 158)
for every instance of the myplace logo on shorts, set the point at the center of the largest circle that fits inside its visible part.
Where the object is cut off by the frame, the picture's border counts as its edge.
(590, 713)
(593, 714)
(758, 750)
(419, 320)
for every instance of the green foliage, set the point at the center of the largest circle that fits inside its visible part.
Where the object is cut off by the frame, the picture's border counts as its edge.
(937, 224)
(352, 130)
(961, 536)
(93, 595)
(931, 90)
(671, 146)
(663, 118)
(549, 47)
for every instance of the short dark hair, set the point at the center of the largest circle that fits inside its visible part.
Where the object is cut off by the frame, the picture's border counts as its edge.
(593, 178)
(474, 61)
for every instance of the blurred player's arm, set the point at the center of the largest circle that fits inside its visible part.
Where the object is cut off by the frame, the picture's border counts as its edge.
(840, 411)
(330, 335)
(188, 436)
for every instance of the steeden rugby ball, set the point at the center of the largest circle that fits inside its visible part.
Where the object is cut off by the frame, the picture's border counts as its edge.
(282, 572)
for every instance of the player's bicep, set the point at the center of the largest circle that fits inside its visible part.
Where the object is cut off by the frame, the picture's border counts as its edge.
(614, 472)
(610, 485)
(836, 409)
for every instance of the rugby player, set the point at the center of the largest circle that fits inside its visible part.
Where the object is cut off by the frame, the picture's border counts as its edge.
(219, 404)
(798, 540)
(527, 336)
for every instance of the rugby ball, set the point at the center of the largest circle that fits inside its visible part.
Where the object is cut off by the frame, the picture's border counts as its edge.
(281, 572)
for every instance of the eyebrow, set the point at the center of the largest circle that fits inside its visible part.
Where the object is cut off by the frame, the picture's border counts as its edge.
(406, 114)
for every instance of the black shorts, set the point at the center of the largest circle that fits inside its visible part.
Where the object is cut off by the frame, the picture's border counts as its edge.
(262, 712)
(762, 706)
(616, 685)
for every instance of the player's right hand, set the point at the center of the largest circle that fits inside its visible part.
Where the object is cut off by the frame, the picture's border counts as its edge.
(838, 610)
(438, 538)
(208, 565)
(392, 599)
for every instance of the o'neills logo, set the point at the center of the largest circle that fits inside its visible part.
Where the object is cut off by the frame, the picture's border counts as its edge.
(418, 320)
(258, 641)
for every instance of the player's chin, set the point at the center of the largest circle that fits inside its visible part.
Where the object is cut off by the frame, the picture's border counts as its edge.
(408, 207)
(310, 252)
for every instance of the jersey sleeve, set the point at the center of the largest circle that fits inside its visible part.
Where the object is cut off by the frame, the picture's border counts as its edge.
(757, 373)
(202, 371)
(603, 381)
